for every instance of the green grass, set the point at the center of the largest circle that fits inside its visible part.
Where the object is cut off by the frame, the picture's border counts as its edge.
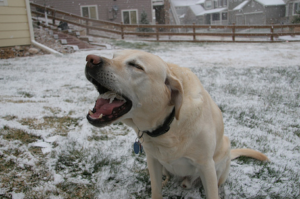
(25, 94)
(264, 104)
(60, 125)
(260, 107)
(18, 134)
(76, 190)
(20, 178)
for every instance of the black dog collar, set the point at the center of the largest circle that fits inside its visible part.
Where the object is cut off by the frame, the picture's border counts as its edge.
(164, 128)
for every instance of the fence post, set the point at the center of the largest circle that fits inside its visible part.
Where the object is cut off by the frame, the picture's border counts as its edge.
(53, 20)
(46, 16)
(122, 30)
(157, 32)
(194, 31)
(272, 31)
(87, 29)
(233, 32)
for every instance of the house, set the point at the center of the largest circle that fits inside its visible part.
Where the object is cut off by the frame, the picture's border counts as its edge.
(292, 8)
(240, 12)
(195, 15)
(208, 12)
(257, 12)
(14, 23)
(126, 11)
(216, 12)
(179, 9)
(161, 11)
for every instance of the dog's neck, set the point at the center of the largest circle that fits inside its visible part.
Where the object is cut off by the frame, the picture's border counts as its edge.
(164, 128)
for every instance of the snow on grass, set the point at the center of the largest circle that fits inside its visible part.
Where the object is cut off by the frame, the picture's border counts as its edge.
(48, 149)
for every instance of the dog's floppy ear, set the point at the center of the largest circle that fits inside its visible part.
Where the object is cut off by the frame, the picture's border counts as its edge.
(175, 86)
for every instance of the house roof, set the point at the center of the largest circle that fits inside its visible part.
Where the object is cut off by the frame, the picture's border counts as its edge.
(214, 11)
(158, 2)
(241, 5)
(200, 1)
(263, 2)
(197, 9)
(271, 2)
(181, 3)
(182, 16)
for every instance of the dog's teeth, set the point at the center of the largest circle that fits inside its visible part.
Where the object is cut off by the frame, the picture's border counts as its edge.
(111, 100)
(111, 96)
(90, 112)
(100, 116)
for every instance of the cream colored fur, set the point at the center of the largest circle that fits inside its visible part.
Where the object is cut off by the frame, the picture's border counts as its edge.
(195, 146)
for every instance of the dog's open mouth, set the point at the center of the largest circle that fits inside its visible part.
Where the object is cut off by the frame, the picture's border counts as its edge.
(108, 107)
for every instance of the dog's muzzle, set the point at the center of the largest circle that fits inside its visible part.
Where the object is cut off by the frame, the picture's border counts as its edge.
(110, 105)
(93, 60)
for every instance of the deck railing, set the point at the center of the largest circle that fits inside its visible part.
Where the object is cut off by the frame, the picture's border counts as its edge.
(170, 33)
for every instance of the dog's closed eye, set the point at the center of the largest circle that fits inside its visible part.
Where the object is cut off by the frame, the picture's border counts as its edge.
(133, 64)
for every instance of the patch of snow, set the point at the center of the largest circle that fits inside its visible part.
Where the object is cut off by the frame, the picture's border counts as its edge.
(248, 170)
(200, 1)
(197, 9)
(181, 16)
(58, 88)
(53, 138)
(17, 195)
(46, 147)
(217, 10)
(289, 38)
(271, 2)
(180, 3)
(58, 179)
(2, 190)
(240, 6)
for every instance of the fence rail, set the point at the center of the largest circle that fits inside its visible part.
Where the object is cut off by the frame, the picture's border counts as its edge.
(158, 32)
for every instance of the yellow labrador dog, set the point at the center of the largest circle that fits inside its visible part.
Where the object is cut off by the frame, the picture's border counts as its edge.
(179, 125)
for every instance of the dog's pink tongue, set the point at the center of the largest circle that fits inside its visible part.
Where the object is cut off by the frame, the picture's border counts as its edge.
(104, 107)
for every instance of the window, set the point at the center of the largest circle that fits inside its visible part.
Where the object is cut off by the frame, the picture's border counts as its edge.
(89, 12)
(296, 8)
(3, 2)
(224, 16)
(252, 4)
(215, 4)
(130, 16)
(208, 4)
(216, 17)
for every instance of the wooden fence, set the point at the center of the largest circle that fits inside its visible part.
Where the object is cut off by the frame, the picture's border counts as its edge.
(158, 32)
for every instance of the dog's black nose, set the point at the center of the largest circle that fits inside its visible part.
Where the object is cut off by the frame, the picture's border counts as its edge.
(93, 60)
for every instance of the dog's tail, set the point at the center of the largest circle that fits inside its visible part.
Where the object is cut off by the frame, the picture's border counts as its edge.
(235, 153)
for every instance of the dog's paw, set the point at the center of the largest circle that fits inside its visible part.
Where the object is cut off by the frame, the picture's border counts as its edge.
(186, 183)
(165, 182)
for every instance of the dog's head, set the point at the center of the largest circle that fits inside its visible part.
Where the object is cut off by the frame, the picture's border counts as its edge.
(133, 85)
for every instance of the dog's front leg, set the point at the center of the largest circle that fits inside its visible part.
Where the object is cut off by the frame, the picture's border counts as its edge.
(209, 180)
(155, 170)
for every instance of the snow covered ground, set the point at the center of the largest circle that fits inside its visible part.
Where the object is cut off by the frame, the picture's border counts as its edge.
(48, 149)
